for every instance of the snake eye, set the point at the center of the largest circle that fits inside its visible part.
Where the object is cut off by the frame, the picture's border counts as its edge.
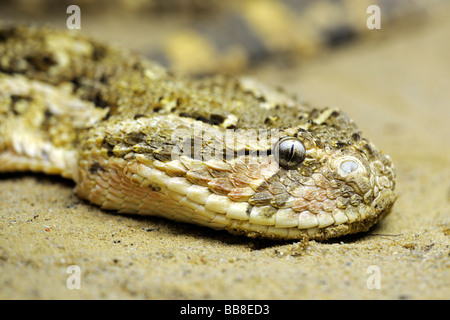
(289, 152)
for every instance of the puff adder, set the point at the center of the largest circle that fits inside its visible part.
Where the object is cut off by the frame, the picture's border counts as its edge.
(226, 153)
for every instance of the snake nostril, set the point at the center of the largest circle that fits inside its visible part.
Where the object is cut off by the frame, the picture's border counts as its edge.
(348, 166)
(353, 170)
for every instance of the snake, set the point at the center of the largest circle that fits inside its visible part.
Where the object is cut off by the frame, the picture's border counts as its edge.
(229, 153)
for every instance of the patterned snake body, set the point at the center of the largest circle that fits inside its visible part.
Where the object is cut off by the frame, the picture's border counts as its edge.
(220, 152)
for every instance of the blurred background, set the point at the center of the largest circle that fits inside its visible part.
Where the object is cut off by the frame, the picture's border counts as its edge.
(198, 36)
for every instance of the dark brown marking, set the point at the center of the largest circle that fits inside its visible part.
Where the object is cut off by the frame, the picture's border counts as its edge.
(133, 138)
(41, 63)
(95, 167)
(15, 99)
(338, 36)
(356, 136)
(261, 198)
(278, 201)
(154, 187)
(213, 119)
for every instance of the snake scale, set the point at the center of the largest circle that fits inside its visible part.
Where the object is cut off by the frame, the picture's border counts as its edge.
(222, 152)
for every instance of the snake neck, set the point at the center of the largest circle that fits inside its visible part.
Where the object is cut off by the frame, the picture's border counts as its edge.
(40, 126)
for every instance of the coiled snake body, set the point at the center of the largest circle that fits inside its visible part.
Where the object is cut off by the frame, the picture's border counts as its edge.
(220, 152)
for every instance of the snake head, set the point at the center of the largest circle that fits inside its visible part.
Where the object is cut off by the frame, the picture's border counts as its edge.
(337, 181)
(320, 179)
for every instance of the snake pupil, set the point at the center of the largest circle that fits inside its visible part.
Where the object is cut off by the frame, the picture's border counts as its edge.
(289, 152)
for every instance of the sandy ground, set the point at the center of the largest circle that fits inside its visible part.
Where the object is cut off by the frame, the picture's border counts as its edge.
(396, 89)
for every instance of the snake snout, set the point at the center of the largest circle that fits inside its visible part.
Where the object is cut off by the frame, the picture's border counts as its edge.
(354, 170)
